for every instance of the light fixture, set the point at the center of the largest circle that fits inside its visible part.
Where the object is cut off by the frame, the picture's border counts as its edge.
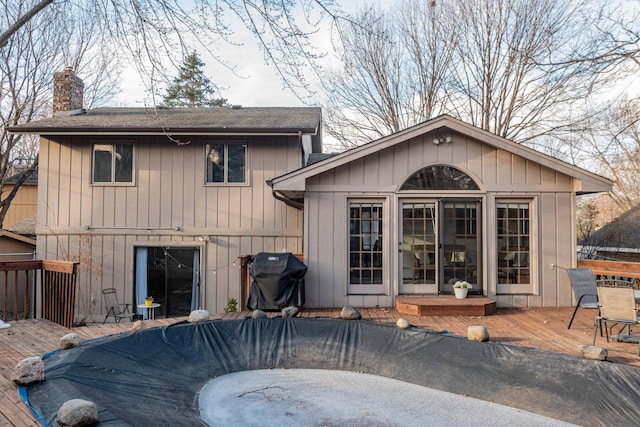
(441, 139)
(204, 238)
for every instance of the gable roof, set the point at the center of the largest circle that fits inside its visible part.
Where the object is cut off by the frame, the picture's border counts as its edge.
(18, 237)
(622, 232)
(179, 121)
(31, 180)
(294, 182)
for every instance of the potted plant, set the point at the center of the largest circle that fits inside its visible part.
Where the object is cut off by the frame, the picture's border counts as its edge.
(461, 288)
(148, 301)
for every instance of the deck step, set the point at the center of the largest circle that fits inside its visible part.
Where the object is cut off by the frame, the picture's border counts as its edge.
(445, 305)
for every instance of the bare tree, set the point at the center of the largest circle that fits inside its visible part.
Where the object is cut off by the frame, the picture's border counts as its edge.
(516, 68)
(366, 97)
(27, 64)
(153, 33)
(612, 145)
(394, 67)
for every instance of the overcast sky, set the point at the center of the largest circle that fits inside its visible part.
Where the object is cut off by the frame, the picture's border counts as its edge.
(255, 83)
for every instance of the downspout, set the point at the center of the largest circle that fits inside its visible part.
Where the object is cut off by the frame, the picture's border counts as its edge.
(285, 200)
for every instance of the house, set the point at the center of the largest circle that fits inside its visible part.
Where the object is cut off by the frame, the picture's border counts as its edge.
(617, 240)
(25, 202)
(441, 202)
(162, 202)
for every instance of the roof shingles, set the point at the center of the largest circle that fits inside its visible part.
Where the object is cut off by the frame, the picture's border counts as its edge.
(181, 120)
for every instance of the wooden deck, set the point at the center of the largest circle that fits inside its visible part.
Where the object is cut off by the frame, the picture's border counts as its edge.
(539, 328)
(445, 305)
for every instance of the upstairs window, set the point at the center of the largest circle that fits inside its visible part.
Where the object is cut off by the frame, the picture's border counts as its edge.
(113, 163)
(226, 163)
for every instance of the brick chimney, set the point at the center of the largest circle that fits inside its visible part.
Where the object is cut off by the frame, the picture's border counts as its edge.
(68, 93)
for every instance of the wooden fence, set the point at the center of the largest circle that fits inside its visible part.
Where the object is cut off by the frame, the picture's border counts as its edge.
(19, 298)
(623, 270)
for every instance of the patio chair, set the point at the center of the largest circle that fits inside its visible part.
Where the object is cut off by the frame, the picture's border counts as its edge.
(585, 289)
(115, 309)
(617, 306)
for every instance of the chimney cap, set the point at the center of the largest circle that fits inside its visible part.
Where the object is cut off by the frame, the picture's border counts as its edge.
(68, 69)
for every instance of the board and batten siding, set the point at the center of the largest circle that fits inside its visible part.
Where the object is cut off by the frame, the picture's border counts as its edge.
(500, 175)
(101, 225)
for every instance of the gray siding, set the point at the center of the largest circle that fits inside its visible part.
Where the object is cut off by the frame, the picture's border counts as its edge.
(499, 174)
(169, 191)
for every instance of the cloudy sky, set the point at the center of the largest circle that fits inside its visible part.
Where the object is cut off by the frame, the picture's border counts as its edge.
(254, 84)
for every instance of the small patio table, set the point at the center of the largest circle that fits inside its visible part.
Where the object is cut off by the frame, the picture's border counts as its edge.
(151, 310)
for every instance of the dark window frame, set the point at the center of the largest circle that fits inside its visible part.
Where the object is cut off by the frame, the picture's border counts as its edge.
(222, 166)
(105, 167)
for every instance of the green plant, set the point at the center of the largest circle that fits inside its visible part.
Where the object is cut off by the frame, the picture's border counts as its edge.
(232, 306)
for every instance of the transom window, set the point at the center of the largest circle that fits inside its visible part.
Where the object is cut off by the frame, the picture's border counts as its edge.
(439, 177)
(365, 243)
(514, 242)
(113, 163)
(226, 163)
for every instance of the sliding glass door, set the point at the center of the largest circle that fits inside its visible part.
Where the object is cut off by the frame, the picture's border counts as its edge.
(171, 276)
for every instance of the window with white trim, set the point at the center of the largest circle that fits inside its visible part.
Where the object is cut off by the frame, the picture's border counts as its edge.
(113, 163)
(365, 243)
(514, 243)
(226, 163)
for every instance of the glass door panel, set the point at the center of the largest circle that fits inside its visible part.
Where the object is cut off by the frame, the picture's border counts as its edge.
(460, 244)
(418, 255)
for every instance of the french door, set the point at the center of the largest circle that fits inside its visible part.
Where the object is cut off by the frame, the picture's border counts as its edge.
(440, 244)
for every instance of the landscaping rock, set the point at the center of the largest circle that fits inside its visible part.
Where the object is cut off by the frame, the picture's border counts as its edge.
(71, 340)
(77, 413)
(350, 313)
(290, 311)
(28, 371)
(592, 353)
(258, 314)
(478, 333)
(197, 316)
(402, 323)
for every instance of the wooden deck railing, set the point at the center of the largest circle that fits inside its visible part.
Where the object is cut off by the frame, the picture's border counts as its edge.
(19, 287)
(623, 270)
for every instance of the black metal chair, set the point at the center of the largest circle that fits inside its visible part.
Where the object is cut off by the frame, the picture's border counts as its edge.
(585, 288)
(115, 309)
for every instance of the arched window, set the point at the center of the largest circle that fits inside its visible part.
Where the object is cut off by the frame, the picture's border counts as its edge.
(439, 178)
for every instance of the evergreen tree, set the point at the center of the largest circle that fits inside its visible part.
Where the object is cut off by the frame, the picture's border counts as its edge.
(192, 88)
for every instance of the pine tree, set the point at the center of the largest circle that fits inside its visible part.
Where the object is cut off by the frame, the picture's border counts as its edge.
(192, 88)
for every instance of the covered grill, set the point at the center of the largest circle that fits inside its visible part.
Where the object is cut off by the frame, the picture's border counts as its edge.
(277, 281)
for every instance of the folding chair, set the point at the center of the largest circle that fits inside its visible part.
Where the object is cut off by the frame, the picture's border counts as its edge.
(118, 311)
(585, 289)
(617, 306)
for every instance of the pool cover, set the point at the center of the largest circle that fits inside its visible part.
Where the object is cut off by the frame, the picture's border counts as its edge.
(153, 376)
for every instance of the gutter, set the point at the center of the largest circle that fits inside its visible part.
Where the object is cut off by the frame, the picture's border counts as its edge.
(287, 201)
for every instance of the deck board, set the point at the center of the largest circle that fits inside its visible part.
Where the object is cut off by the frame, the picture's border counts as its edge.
(542, 328)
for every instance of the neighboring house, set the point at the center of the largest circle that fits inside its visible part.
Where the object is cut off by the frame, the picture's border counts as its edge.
(163, 202)
(616, 240)
(440, 202)
(25, 203)
(14, 247)
(166, 201)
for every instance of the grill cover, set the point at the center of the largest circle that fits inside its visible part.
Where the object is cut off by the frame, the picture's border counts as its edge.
(277, 281)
